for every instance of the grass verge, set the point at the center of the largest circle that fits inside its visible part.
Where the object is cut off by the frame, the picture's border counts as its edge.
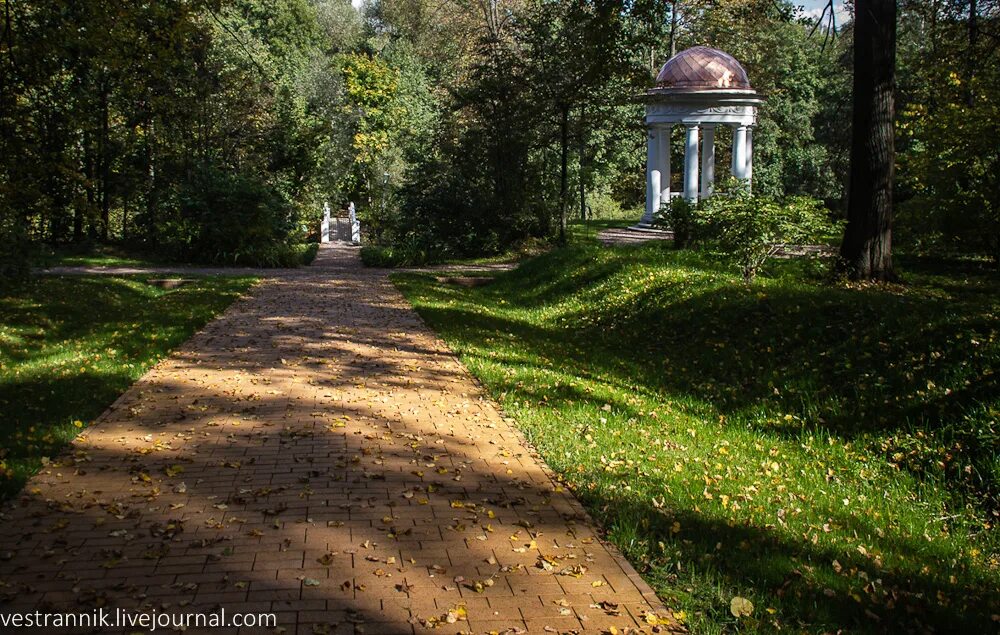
(70, 345)
(101, 255)
(828, 453)
(410, 256)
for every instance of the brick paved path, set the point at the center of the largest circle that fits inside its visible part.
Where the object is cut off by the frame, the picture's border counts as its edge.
(318, 453)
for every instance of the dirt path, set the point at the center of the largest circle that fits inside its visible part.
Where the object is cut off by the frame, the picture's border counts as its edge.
(318, 453)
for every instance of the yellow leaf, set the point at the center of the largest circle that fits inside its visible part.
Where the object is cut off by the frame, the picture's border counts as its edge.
(741, 607)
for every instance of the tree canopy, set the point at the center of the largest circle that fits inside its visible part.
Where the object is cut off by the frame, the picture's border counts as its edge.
(213, 130)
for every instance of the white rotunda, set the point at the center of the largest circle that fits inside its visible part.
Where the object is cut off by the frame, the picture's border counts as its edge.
(700, 88)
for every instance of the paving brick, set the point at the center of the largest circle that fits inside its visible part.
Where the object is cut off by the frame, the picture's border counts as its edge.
(321, 428)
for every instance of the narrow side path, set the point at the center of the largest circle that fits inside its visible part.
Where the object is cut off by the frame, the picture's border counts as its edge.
(318, 453)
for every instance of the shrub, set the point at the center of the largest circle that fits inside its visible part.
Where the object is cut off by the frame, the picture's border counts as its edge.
(678, 216)
(224, 217)
(601, 205)
(751, 229)
(307, 253)
(395, 256)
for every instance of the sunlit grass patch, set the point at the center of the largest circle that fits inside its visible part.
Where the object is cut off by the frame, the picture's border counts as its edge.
(828, 453)
(70, 345)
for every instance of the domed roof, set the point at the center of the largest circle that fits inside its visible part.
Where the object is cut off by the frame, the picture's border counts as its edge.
(703, 68)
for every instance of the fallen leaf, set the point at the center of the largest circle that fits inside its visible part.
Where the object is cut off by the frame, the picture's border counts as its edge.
(741, 607)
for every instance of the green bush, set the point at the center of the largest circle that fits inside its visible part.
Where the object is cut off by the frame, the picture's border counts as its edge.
(601, 205)
(224, 217)
(394, 256)
(281, 255)
(750, 229)
(307, 253)
(678, 216)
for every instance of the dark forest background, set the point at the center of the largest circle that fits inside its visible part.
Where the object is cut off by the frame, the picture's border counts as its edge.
(213, 130)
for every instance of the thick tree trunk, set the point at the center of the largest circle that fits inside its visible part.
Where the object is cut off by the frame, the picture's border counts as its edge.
(866, 251)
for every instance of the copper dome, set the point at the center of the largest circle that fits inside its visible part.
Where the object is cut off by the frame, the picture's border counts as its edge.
(703, 68)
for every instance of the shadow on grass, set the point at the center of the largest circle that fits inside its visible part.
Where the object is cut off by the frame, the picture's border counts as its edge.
(794, 577)
(905, 370)
(70, 346)
(858, 363)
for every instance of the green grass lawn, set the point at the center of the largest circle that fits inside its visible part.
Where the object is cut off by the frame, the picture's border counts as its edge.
(70, 345)
(828, 452)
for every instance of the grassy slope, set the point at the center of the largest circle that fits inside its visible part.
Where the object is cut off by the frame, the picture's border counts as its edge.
(70, 345)
(826, 452)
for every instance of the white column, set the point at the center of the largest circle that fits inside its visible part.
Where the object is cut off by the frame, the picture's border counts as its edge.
(691, 163)
(355, 225)
(324, 228)
(708, 160)
(740, 152)
(663, 161)
(749, 168)
(652, 176)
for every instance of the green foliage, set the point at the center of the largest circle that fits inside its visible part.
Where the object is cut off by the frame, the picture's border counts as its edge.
(371, 88)
(69, 346)
(454, 130)
(14, 251)
(227, 219)
(306, 253)
(395, 256)
(751, 229)
(603, 205)
(800, 82)
(678, 215)
(951, 170)
(489, 97)
(827, 452)
(948, 161)
(122, 122)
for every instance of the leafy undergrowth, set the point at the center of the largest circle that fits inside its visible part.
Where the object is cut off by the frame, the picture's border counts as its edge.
(414, 256)
(829, 453)
(70, 345)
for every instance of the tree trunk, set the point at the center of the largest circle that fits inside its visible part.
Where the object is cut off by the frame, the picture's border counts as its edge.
(563, 174)
(104, 162)
(866, 250)
(88, 188)
(151, 192)
(971, 54)
(583, 163)
(125, 206)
